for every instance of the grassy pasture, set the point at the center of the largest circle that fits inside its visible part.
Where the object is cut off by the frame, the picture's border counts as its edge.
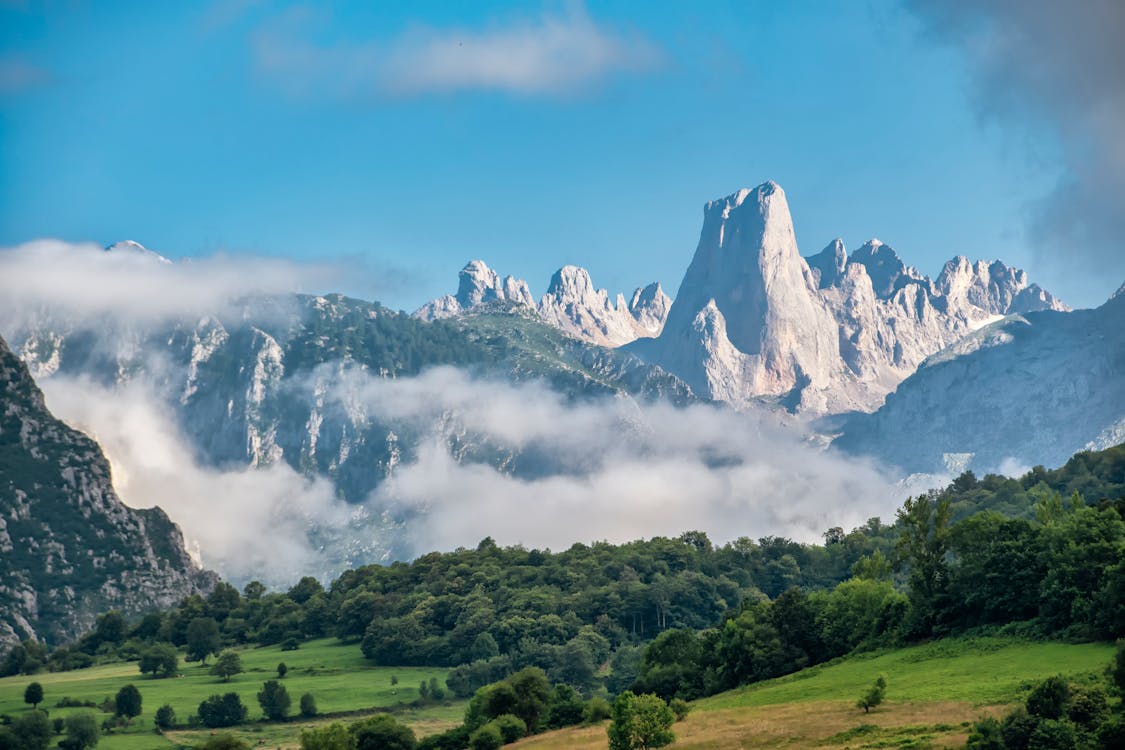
(336, 674)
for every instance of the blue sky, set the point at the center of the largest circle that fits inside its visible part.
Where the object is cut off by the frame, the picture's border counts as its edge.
(404, 139)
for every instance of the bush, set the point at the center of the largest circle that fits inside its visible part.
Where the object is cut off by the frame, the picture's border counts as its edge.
(874, 695)
(223, 742)
(597, 709)
(986, 735)
(680, 708)
(290, 644)
(487, 737)
(165, 717)
(1049, 699)
(383, 733)
(1053, 735)
(308, 705)
(511, 727)
(222, 711)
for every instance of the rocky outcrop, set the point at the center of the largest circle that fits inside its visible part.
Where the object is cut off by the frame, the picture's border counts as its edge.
(1027, 390)
(572, 304)
(754, 321)
(69, 548)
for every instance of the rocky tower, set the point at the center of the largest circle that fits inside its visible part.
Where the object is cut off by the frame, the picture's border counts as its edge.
(69, 549)
(747, 320)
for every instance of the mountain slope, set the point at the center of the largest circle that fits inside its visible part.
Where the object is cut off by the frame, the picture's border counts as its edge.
(1035, 388)
(70, 548)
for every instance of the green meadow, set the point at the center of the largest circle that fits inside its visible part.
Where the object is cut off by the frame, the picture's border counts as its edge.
(934, 692)
(337, 675)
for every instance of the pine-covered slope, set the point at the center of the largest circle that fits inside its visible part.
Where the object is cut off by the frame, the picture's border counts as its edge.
(69, 549)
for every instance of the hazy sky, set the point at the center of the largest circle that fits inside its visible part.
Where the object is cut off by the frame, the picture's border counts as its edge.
(404, 139)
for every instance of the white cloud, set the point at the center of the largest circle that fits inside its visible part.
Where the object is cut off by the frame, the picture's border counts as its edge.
(245, 523)
(554, 54)
(608, 469)
(83, 280)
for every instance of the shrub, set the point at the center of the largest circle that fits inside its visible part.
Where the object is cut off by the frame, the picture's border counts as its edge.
(597, 709)
(680, 708)
(165, 717)
(308, 705)
(511, 727)
(1049, 699)
(487, 737)
(222, 711)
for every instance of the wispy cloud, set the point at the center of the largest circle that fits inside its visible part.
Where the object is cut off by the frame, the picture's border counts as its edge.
(1039, 62)
(551, 55)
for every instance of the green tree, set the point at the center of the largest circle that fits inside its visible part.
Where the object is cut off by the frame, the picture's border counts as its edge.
(222, 711)
(81, 732)
(282, 670)
(383, 733)
(511, 727)
(308, 705)
(640, 722)
(533, 695)
(203, 639)
(274, 700)
(874, 695)
(165, 717)
(1049, 699)
(1117, 668)
(128, 702)
(160, 660)
(487, 737)
(987, 734)
(436, 691)
(227, 665)
(33, 694)
(32, 731)
(306, 589)
(922, 546)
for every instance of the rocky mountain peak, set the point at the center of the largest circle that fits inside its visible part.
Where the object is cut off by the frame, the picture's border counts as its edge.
(131, 247)
(993, 287)
(828, 265)
(887, 270)
(649, 306)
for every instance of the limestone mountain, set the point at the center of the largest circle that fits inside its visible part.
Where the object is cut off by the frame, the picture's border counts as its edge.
(753, 321)
(572, 304)
(1030, 389)
(69, 548)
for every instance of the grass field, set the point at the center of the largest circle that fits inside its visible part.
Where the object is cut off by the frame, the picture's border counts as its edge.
(933, 693)
(336, 674)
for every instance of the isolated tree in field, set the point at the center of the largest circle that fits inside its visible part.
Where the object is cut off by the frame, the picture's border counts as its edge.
(222, 711)
(437, 692)
(640, 722)
(282, 670)
(874, 695)
(308, 705)
(274, 700)
(335, 736)
(227, 665)
(33, 694)
(224, 742)
(81, 732)
(160, 660)
(165, 717)
(202, 639)
(128, 702)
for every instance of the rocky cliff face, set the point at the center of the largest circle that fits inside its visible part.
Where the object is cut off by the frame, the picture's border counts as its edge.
(1030, 389)
(69, 549)
(572, 304)
(755, 321)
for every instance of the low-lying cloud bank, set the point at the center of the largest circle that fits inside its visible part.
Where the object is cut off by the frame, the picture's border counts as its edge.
(83, 280)
(624, 470)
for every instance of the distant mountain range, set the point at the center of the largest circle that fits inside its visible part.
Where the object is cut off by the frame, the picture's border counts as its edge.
(69, 549)
(976, 368)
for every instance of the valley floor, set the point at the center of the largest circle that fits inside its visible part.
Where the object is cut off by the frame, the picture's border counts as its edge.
(934, 692)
